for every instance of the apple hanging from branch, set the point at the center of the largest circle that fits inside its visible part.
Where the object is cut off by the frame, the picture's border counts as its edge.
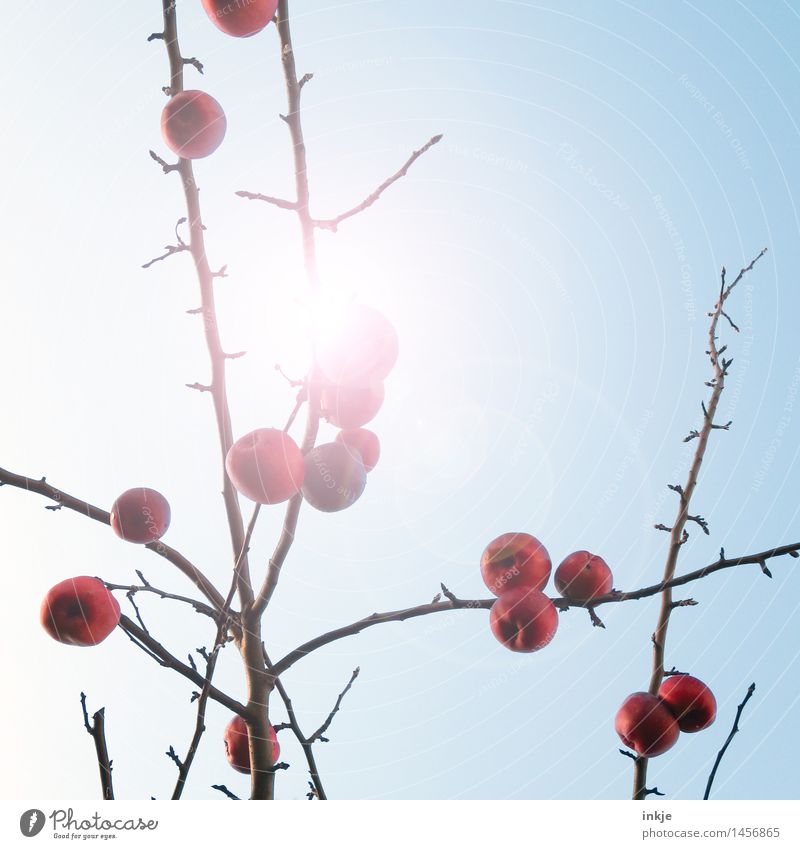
(79, 611)
(193, 124)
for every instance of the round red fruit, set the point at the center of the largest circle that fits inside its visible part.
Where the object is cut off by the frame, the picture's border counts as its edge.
(237, 748)
(583, 576)
(240, 18)
(193, 124)
(360, 348)
(646, 725)
(523, 619)
(690, 700)
(266, 466)
(515, 560)
(140, 515)
(335, 477)
(362, 442)
(79, 612)
(350, 406)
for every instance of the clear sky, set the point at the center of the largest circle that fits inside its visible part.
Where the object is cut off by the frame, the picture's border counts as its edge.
(548, 267)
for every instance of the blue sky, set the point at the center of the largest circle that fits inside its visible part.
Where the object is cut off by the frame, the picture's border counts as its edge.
(548, 267)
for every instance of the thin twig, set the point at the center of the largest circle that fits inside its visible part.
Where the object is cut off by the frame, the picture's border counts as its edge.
(333, 223)
(132, 589)
(166, 659)
(318, 734)
(97, 731)
(279, 202)
(200, 724)
(223, 789)
(750, 690)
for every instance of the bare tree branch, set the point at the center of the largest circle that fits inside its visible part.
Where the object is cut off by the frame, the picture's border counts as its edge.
(454, 603)
(750, 690)
(720, 368)
(294, 123)
(97, 731)
(147, 587)
(41, 487)
(197, 247)
(318, 734)
(165, 658)
(200, 725)
(223, 789)
(170, 250)
(308, 750)
(279, 202)
(333, 223)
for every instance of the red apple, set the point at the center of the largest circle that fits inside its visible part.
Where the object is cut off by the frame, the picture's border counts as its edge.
(644, 723)
(692, 703)
(515, 560)
(523, 619)
(335, 477)
(360, 348)
(140, 515)
(349, 406)
(237, 748)
(193, 124)
(266, 466)
(583, 576)
(362, 442)
(79, 611)
(240, 17)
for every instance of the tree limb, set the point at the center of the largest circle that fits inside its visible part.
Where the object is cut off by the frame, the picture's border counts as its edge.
(165, 658)
(750, 690)
(63, 499)
(333, 223)
(677, 536)
(97, 731)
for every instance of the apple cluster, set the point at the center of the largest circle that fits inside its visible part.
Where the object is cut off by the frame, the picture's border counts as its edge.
(354, 357)
(516, 568)
(650, 725)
